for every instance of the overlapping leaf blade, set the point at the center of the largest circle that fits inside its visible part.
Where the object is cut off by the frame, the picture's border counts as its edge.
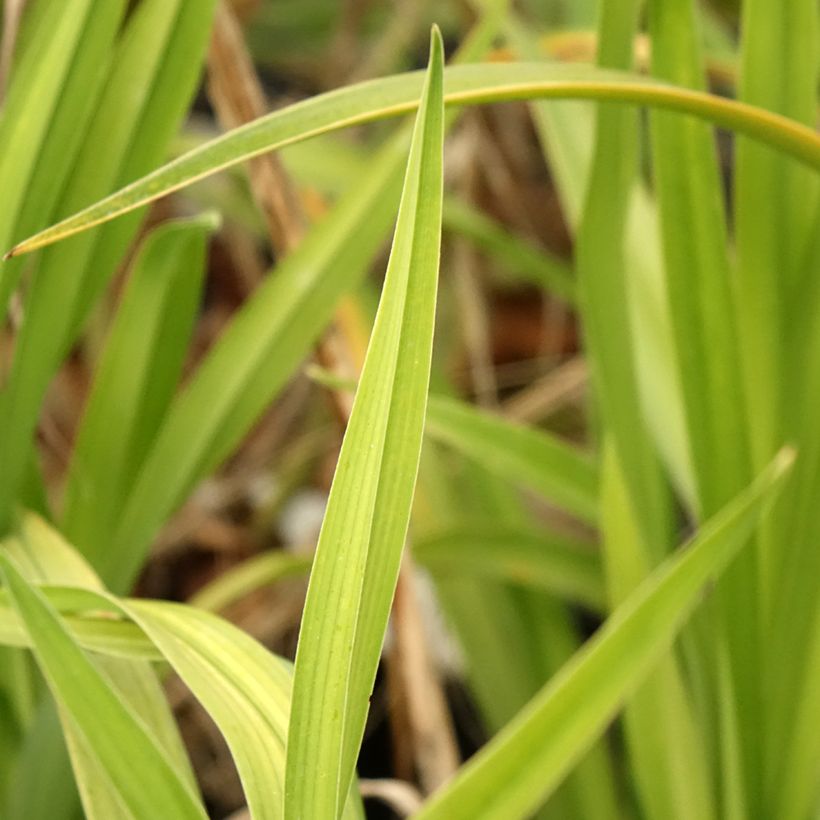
(104, 724)
(518, 555)
(135, 380)
(144, 98)
(562, 473)
(362, 537)
(229, 672)
(514, 773)
(465, 85)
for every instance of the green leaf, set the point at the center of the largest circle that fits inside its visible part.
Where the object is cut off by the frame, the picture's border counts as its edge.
(666, 744)
(243, 687)
(526, 456)
(516, 771)
(45, 557)
(519, 556)
(263, 345)
(135, 379)
(33, 97)
(145, 96)
(360, 545)
(255, 573)
(229, 672)
(145, 782)
(399, 94)
(701, 309)
(698, 276)
(79, 91)
(604, 283)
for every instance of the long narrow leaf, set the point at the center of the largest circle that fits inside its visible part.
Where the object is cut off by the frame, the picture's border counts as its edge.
(532, 458)
(144, 780)
(466, 85)
(514, 773)
(264, 344)
(360, 545)
(519, 556)
(135, 380)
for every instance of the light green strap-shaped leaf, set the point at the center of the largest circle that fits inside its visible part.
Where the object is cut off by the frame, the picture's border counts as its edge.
(265, 342)
(399, 94)
(701, 310)
(520, 556)
(604, 280)
(532, 458)
(776, 207)
(230, 673)
(33, 96)
(690, 201)
(146, 93)
(244, 688)
(360, 545)
(67, 128)
(519, 768)
(135, 380)
(793, 747)
(665, 742)
(144, 780)
(567, 133)
(45, 557)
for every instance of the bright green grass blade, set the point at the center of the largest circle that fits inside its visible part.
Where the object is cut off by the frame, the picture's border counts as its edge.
(515, 772)
(360, 545)
(144, 780)
(513, 639)
(526, 456)
(244, 689)
(690, 201)
(698, 277)
(266, 341)
(519, 556)
(793, 749)
(604, 282)
(774, 199)
(117, 639)
(142, 104)
(775, 207)
(45, 557)
(255, 573)
(466, 85)
(227, 671)
(566, 131)
(66, 130)
(33, 96)
(135, 380)
(669, 760)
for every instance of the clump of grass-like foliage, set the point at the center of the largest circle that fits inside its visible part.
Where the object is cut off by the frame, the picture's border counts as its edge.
(685, 525)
